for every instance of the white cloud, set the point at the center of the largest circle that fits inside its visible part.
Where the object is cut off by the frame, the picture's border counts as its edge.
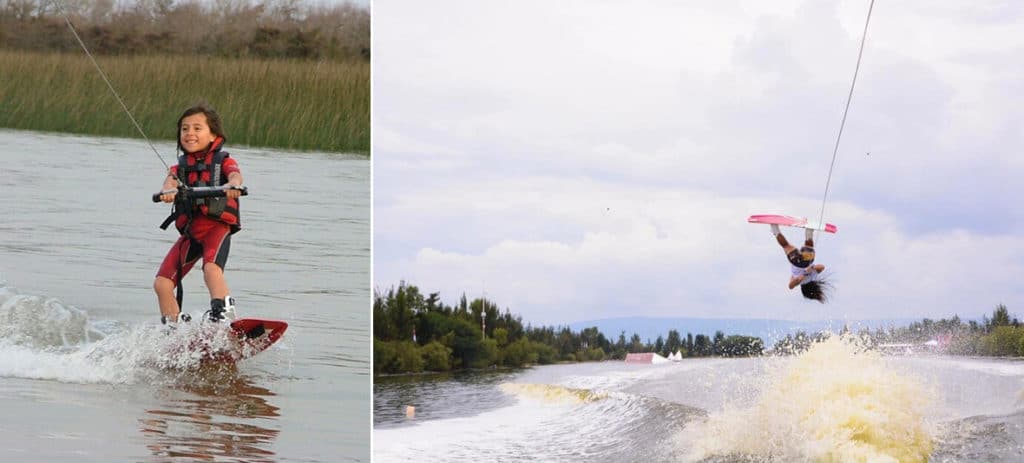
(596, 159)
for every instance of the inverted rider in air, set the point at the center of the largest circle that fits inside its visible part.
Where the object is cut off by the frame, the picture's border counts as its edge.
(805, 273)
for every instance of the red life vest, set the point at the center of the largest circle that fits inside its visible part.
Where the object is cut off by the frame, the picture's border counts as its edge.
(209, 172)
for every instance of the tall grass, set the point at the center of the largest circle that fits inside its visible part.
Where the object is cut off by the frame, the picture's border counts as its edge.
(291, 104)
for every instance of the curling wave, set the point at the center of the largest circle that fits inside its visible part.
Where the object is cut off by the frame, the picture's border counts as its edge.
(552, 393)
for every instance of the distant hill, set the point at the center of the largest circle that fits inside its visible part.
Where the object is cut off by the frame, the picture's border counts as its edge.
(768, 330)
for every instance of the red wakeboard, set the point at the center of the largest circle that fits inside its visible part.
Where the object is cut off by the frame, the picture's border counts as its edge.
(250, 337)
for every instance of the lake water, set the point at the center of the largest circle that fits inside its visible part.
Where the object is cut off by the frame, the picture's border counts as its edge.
(79, 335)
(834, 403)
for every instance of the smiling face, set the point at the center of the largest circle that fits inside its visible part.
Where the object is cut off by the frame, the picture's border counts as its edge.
(194, 133)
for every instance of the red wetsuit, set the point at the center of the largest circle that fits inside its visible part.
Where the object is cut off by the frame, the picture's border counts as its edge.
(212, 235)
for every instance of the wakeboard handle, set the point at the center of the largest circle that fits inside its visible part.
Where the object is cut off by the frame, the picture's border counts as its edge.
(202, 192)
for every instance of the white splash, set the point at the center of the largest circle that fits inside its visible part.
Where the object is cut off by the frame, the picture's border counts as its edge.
(41, 338)
(836, 402)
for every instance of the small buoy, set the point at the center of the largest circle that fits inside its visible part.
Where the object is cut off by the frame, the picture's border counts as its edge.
(410, 411)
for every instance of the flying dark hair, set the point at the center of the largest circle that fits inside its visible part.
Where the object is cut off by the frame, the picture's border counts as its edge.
(212, 120)
(819, 290)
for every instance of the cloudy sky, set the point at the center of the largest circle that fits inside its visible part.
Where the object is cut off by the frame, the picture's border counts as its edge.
(580, 160)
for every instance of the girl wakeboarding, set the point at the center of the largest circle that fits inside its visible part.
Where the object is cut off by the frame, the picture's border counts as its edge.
(206, 224)
(805, 273)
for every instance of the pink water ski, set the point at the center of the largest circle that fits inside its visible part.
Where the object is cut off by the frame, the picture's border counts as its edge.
(788, 221)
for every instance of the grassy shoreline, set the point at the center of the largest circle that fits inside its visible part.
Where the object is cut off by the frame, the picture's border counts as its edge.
(290, 104)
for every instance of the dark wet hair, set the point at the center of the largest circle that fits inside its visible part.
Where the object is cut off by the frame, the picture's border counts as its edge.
(212, 120)
(819, 290)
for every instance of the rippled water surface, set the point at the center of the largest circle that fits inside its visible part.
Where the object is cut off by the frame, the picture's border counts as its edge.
(81, 377)
(834, 403)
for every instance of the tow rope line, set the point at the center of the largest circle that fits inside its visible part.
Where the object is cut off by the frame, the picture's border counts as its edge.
(111, 87)
(849, 98)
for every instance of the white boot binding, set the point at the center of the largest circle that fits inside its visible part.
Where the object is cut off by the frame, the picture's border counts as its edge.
(229, 307)
(172, 324)
(221, 308)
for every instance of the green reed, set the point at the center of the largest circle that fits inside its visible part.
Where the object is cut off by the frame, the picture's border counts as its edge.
(290, 104)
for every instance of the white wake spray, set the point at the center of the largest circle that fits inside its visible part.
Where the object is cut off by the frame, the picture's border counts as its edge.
(834, 403)
(42, 338)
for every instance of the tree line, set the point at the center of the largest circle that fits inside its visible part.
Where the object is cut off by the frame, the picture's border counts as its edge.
(224, 28)
(414, 333)
(1000, 335)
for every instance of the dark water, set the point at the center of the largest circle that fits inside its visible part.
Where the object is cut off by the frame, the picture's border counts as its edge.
(437, 396)
(79, 247)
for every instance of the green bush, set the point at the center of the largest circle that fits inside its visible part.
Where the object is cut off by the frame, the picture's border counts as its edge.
(409, 357)
(487, 354)
(519, 353)
(595, 354)
(384, 357)
(396, 357)
(546, 355)
(436, 357)
(590, 355)
(501, 337)
(1002, 341)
